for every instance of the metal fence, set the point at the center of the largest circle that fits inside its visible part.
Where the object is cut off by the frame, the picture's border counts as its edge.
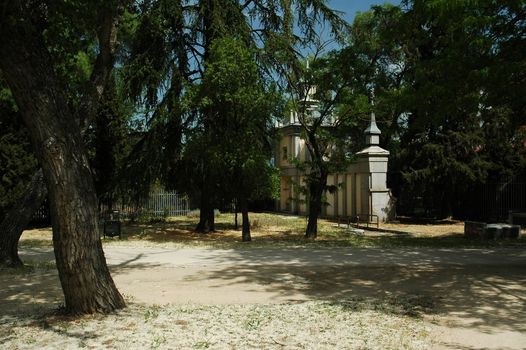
(489, 202)
(42, 216)
(158, 204)
(167, 204)
(497, 200)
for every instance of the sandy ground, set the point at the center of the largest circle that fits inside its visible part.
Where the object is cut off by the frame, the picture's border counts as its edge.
(478, 295)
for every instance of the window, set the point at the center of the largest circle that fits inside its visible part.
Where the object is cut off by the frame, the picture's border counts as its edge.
(285, 153)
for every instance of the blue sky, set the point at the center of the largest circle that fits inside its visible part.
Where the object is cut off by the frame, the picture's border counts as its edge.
(350, 7)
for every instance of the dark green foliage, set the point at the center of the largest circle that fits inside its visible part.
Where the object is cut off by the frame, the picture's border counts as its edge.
(167, 77)
(17, 161)
(231, 149)
(240, 132)
(453, 99)
(238, 139)
(110, 143)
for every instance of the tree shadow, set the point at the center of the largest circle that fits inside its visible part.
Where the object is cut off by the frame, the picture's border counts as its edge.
(486, 293)
(26, 292)
(272, 231)
(448, 240)
(35, 294)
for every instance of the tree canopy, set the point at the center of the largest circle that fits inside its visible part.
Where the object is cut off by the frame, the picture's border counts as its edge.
(17, 161)
(449, 86)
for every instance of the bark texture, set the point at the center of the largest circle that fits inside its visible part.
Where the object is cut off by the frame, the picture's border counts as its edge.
(103, 67)
(20, 215)
(317, 180)
(55, 133)
(206, 213)
(315, 199)
(18, 218)
(245, 233)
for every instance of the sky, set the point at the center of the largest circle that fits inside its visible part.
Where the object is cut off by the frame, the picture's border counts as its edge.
(350, 7)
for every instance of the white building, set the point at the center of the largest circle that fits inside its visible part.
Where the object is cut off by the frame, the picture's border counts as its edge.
(362, 189)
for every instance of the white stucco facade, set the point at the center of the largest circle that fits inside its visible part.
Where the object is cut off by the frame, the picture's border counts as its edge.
(361, 190)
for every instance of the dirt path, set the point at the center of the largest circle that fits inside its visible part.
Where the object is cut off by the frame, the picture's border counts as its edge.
(479, 295)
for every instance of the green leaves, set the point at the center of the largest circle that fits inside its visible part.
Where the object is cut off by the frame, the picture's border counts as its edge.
(452, 90)
(236, 136)
(17, 161)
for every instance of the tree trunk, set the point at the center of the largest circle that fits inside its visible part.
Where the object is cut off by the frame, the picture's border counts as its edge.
(245, 233)
(315, 199)
(206, 214)
(236, 226)
(211, 219)
(206, 210)
(55, 134)
(18, 218)
(445, 203)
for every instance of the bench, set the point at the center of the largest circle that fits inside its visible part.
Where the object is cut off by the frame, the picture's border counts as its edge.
(481, 230)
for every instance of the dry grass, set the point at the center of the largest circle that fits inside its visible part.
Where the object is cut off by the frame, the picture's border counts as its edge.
(274, 230)
(352, 324)
(357, 323)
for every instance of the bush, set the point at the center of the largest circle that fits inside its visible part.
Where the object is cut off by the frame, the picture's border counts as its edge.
(196, 212)
(193, 213)
(148, 218)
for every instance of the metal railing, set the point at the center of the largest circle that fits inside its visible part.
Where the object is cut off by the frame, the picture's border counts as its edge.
(158, 204)
(356, 220)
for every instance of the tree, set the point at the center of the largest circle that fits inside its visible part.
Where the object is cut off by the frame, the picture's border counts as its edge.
(450, 95)
(314, 105)
(170, 52)
(109, 144)
(18, 164)
(332, 98)
(240, 131)
(19, 215)
(84, 82)
(460, 126)
(17, 161)
(55, 132)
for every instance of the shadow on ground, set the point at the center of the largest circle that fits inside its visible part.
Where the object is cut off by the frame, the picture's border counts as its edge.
(293, 234)
(488, 296)
(36, 290)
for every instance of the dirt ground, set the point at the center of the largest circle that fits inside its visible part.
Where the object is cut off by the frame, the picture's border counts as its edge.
(467, 298)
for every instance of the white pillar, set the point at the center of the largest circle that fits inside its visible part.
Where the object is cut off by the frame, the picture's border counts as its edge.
(372, 162)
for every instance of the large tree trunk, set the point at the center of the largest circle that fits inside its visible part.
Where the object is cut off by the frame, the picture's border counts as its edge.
(206, 213)
(206, 219)
(245, 234)
(18, 218)
(55, 133)
(315, 202)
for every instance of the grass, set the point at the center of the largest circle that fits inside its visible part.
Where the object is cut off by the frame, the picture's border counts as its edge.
(274, 230)
(389, 322)
(30, 267)
(353, 323)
